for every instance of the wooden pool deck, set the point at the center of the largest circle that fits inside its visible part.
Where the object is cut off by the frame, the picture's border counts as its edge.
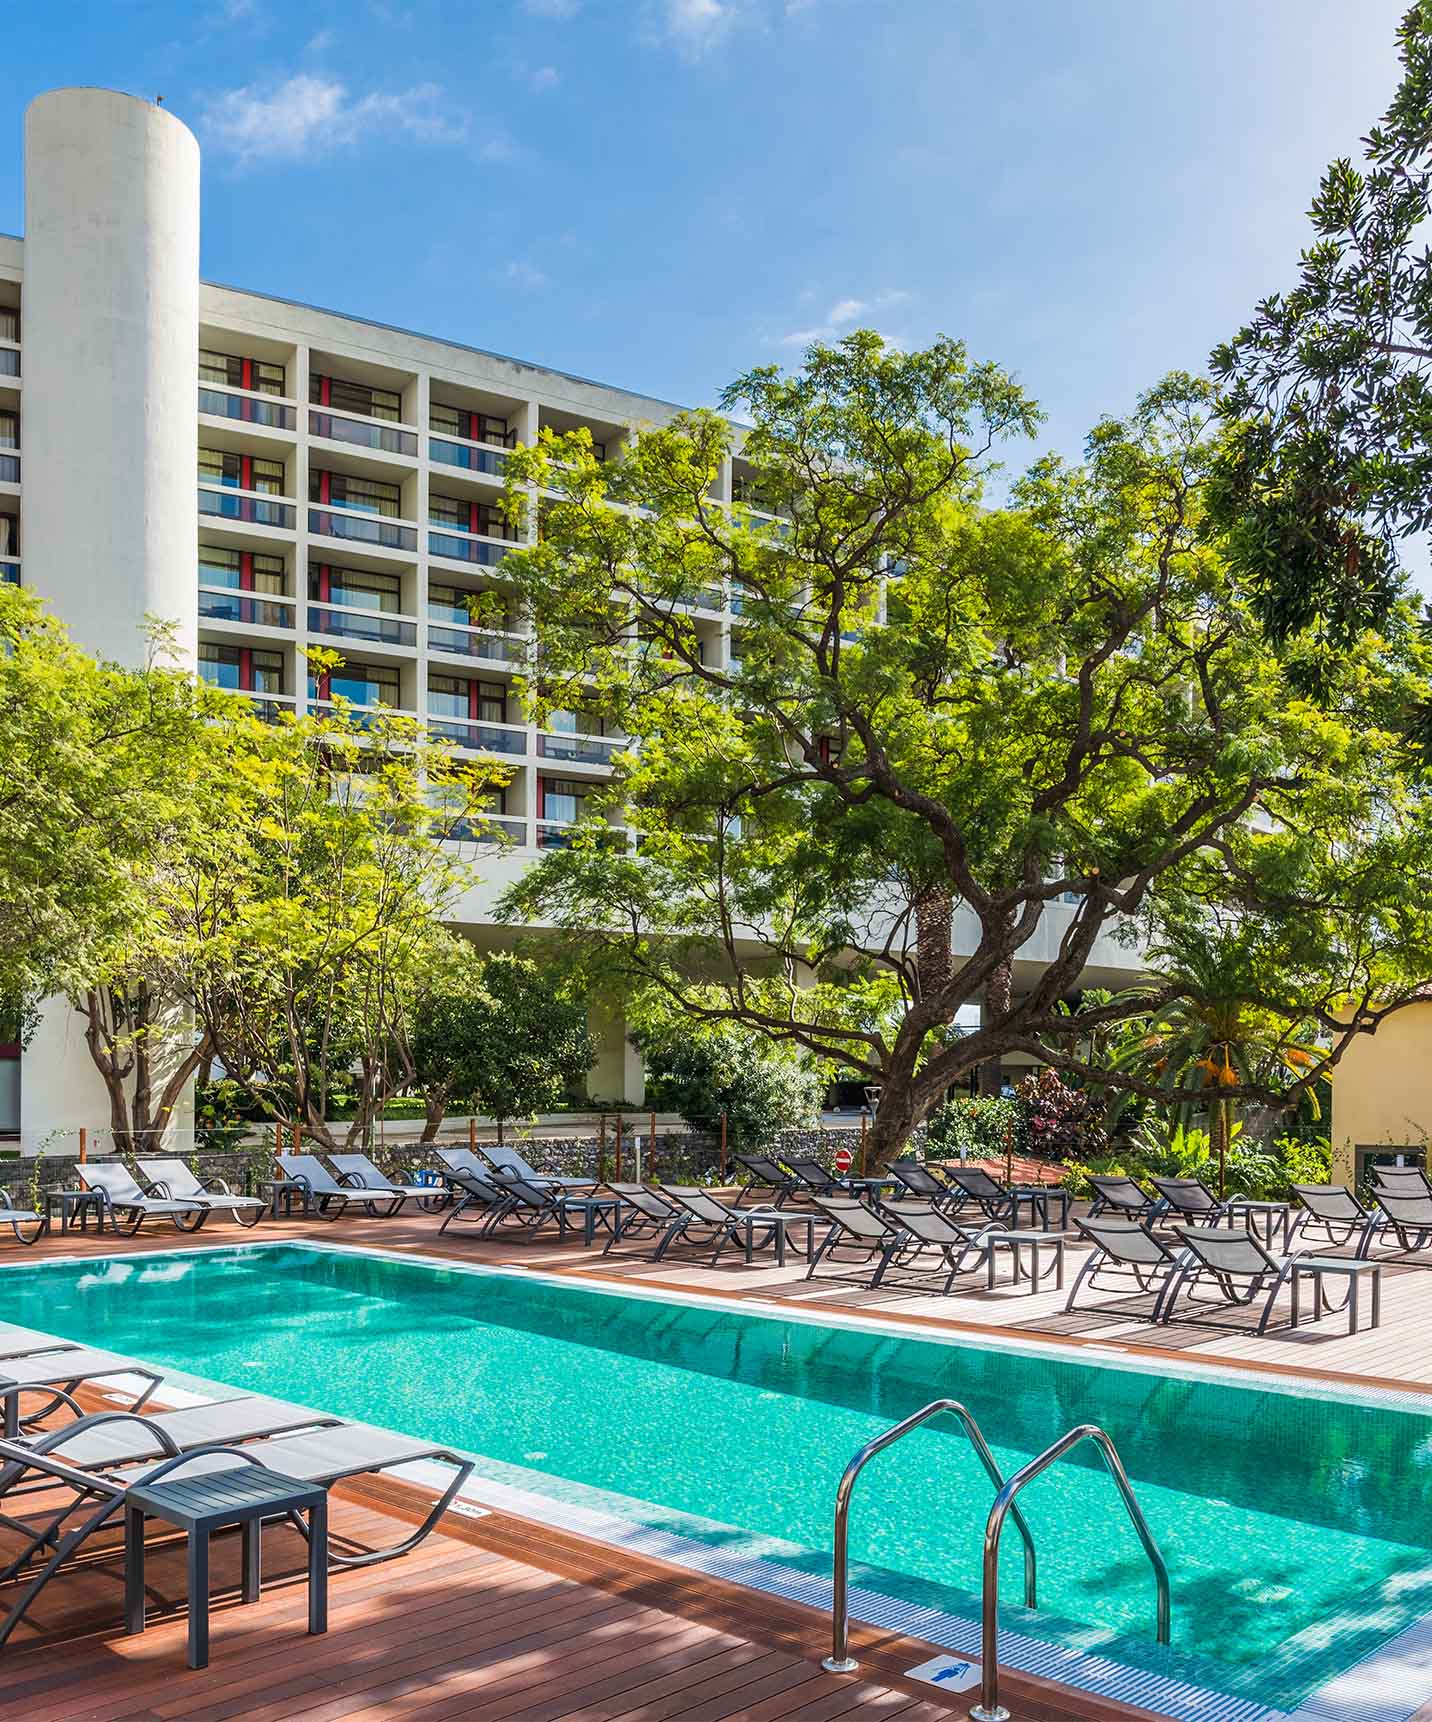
(498, 1617)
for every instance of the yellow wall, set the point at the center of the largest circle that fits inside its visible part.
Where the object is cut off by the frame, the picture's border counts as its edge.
(1382, 1089)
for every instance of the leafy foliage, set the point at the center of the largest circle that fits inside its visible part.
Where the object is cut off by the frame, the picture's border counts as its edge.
(763, 1088)
(1328, 390)
(495, 1034)
(977, 1128)
(1064, 710)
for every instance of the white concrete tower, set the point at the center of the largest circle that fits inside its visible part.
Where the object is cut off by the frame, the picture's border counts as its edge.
(111, 305)
(109, 431)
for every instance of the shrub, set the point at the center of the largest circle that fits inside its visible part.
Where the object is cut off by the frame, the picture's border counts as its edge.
(763, 1088)
(977, 1129)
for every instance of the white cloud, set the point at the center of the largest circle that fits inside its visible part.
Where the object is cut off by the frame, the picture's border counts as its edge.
(311, 116)
(552, 8)
(544, 78)
(696, 26)
(525, 274)
(838, 319)
(235, 11)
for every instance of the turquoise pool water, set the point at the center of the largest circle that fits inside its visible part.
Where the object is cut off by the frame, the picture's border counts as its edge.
(1296, 1529)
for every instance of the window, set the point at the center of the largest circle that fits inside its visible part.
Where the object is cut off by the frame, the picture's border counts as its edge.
(9, 535)
(228, 369)
(241, 570)
(471, 427)
(363, 684)
(457, 697)
(562, 798)
(482, 517)
(367, 495)
(241, 667)
(360, 591)
(9, 323)
(9, 430)
(362, 398)
(240, 471)
(575, 723)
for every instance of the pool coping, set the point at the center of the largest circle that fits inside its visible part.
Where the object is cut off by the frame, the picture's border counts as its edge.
(1384, 1669)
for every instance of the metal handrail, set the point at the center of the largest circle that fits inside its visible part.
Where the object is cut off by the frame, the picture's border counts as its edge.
(840, 1661)
(989, 1708)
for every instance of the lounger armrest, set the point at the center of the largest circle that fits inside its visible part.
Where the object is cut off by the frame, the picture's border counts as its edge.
(160, 1190)
(353, 1180)
(216, 1186)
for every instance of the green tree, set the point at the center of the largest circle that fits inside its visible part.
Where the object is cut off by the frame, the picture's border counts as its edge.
(96, 765)
(762, 1087)
(1207, 1041)
(1330, 463)
(1061, 711)
(495, 1034)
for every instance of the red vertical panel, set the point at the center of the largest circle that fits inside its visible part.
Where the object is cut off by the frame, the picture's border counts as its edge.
(325, 486)
(246, 373)
(246, 471)
(472, 699)
(541, 798)
(473, 509)
(325, 584)
(246, 667)
(325, 391)
(246, 570)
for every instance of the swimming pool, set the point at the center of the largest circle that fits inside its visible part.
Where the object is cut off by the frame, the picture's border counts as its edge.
(1296, 1528)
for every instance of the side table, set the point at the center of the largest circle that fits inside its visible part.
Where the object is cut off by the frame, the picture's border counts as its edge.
(280, 1193)
(209, 1501)
(75, 1205)
(1350, 1268)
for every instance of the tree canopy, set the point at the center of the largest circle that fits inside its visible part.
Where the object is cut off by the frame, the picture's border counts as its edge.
(1328, 392)
(1052, 724)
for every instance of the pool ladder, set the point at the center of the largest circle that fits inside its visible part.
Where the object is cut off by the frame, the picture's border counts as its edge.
(989, 1708)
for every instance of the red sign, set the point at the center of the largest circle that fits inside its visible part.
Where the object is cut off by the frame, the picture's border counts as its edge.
(843, 1157)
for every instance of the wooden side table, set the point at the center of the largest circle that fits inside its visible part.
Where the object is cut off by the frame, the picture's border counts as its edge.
(212, 1500)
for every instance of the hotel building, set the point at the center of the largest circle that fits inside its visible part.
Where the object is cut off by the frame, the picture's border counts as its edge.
(266, 477)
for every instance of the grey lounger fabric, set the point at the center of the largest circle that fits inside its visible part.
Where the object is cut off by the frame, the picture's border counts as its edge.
(176, 1181)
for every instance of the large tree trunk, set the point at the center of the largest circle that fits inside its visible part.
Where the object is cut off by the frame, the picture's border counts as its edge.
(434, 1111)
(124, 1032)
(934, 922)
(998, 995)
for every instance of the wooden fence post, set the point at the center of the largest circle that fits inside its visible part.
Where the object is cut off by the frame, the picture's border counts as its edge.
(651, 1148)
(472, 1135)
(864, 1122)
(601, 1145)
(723, 1146)
(619, 1147)
(84, 1144)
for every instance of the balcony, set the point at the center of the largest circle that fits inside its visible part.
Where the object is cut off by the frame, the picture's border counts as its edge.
(227, 605)
(490, 828)
(345, 623)
(358, 715)
(359, 527)
(9, 570)
(480, 737)
(562, 836)
(362, 433)
(467, 547)
(9, 361)
(247, 409)
(271, 707)
(257, 509)
(578, 749)
(9, 469)
(468, 456)
(473, 643)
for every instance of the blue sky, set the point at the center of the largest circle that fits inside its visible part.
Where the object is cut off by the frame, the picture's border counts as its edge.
(661, 193)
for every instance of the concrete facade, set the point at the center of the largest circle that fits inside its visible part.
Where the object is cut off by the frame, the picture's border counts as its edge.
(1382, 1095)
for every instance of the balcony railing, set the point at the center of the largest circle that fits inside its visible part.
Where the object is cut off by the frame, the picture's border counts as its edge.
(470, 456)
(246, 408)
(372, 625)
(248, 505)
(270, 707)
(361, 715)
(491, 828)
(562, 836)
(9, 361)
(579, 749)
(471, 643)
(226, 605)
(9, 570)
(361, 528)
(464, 547)
(480, 737)
(362, 433)
(10, 468)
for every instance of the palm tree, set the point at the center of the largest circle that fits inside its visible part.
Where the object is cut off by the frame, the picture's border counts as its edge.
(1212, 1037)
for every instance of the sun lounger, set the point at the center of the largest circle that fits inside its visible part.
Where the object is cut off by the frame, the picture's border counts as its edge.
(960, 1247)
(1407, 1217)
(173, 1180)
(359, 1172)
(1190, 1199)
(702, 1219)
(814, 1178)
(923, 1184)
(507, 1160)
(28, 1226)
(327, 1456)
(1331, 1209)
(330, 1199)
(120, 1194)
(1124, 1252)
(974, 1184)
(1234, 1261)
(643, 1212)
(1119, 1195)
(1400, 1180)
(101, 1439)
(479, 1198)
(54, 1376)
(764, 1174)
(856, 1230)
